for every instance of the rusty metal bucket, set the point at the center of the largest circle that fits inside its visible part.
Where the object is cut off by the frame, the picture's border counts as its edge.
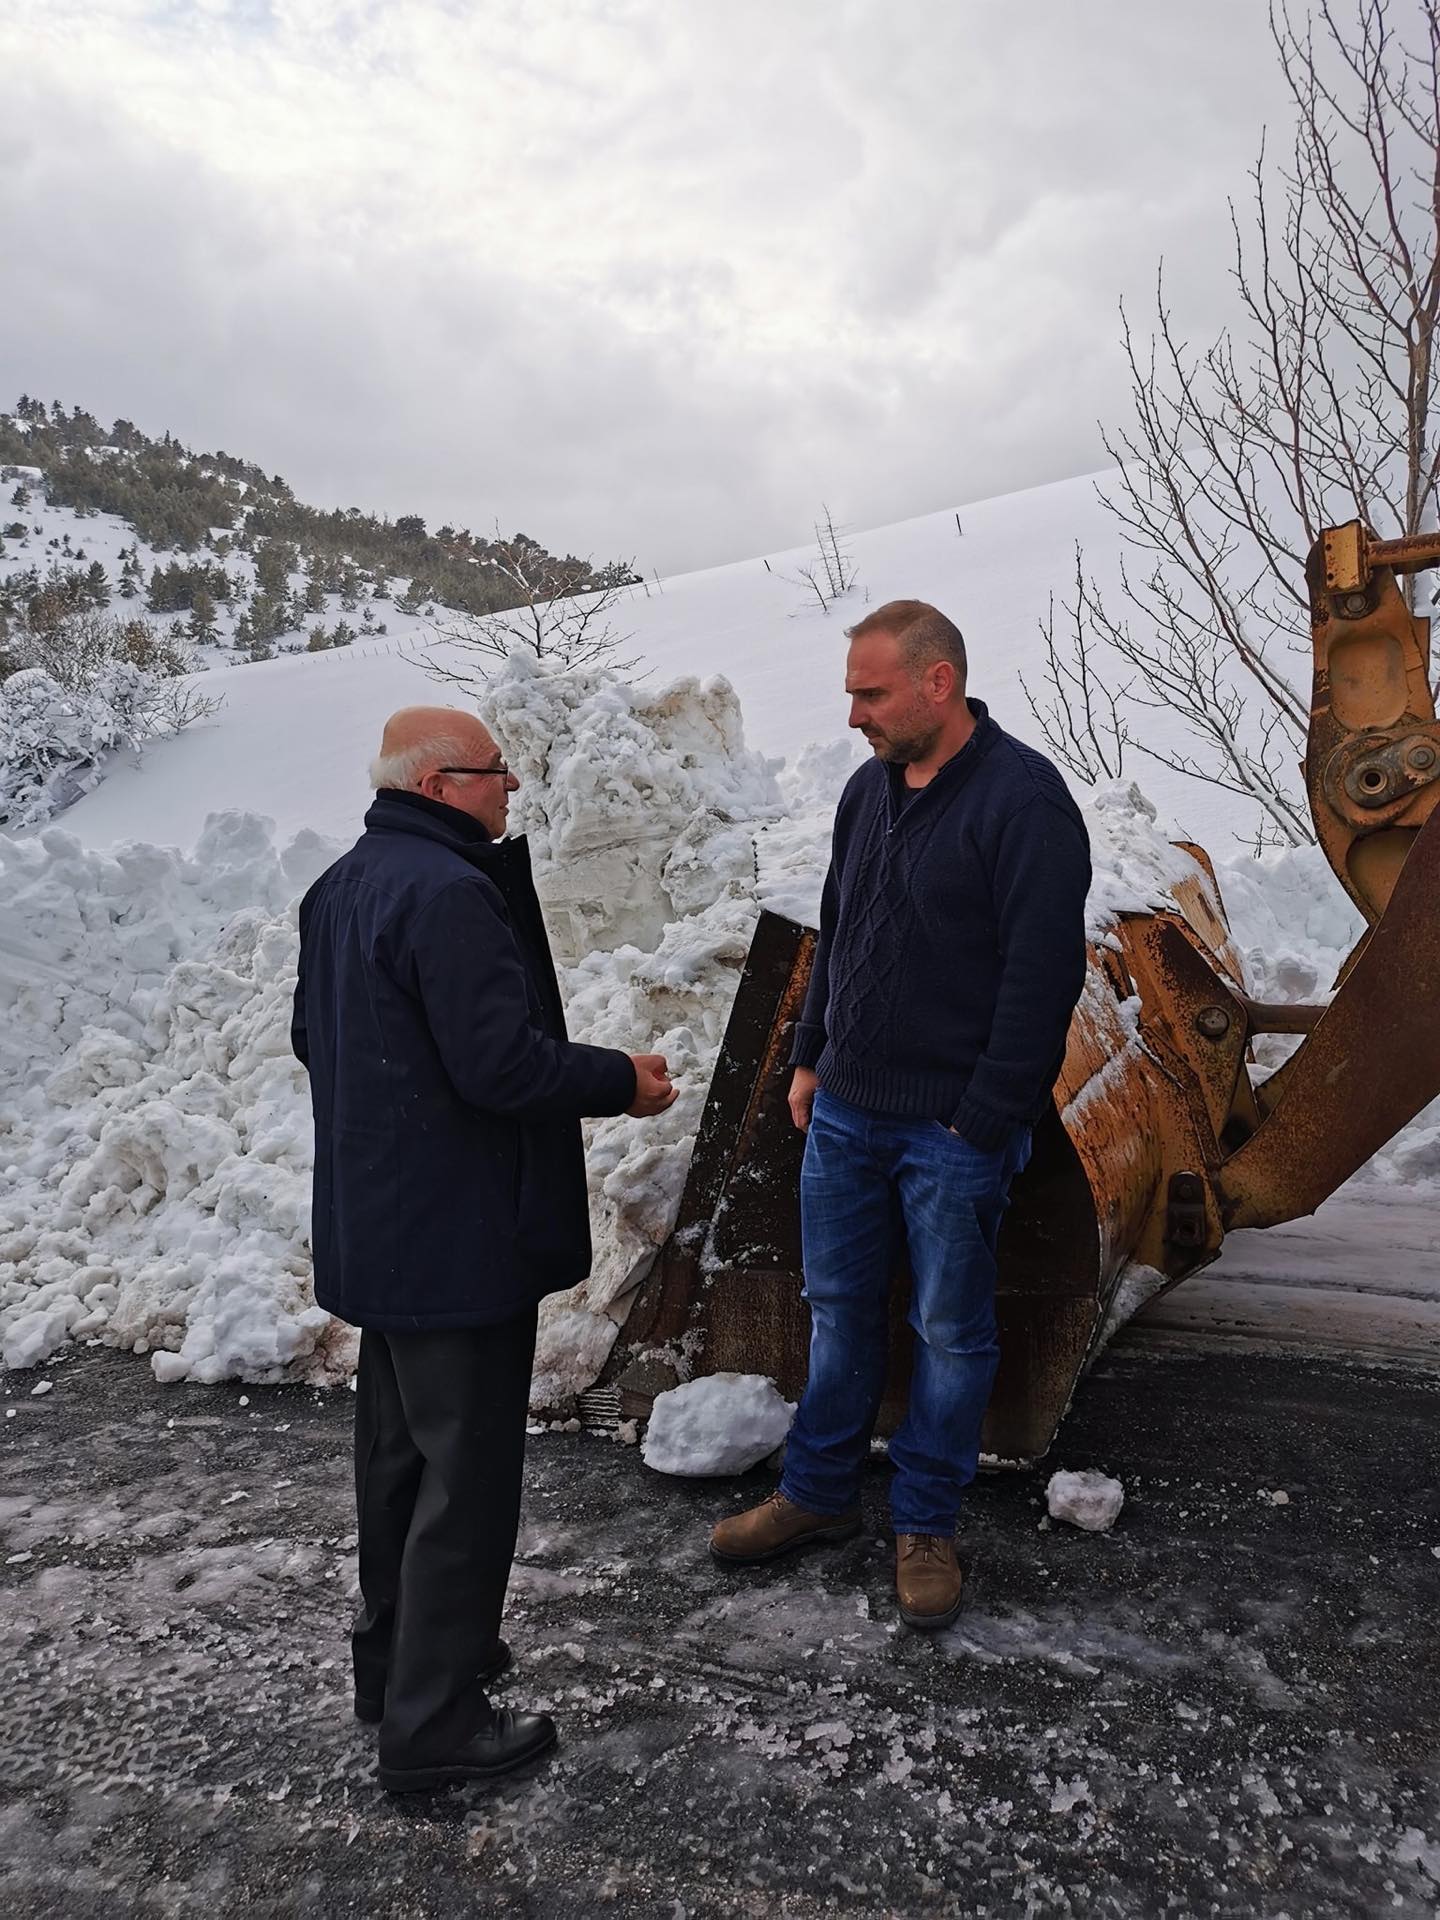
(725, 1292)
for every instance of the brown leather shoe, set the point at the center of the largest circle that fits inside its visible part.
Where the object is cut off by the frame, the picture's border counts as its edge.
(927, 1579)
(777, 1526)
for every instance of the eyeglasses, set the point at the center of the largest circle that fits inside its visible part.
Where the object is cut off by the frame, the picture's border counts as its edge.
(502, 770)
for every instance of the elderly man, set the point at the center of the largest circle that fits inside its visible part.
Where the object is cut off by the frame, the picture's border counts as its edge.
(449, 1197)
(950, 958)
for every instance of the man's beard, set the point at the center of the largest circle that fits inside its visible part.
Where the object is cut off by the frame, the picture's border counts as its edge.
(900, 749)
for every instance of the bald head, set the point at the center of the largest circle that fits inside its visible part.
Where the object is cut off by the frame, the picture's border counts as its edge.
(449, 756)
(423, 738)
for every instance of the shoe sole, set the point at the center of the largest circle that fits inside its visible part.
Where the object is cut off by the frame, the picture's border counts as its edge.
(428, 1779)
(930, 1622)
(372, 1711)
(818, 1537)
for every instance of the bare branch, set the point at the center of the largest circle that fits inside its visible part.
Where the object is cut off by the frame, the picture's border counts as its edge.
(562, 610)
(1318, 408)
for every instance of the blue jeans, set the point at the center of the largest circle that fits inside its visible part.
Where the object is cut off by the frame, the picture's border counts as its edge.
(868, 1179)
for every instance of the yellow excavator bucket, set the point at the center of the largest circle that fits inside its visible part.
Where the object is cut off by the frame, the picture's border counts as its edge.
(1159, 1141)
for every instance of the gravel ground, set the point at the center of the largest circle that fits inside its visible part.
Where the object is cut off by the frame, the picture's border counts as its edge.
(1231, 1705)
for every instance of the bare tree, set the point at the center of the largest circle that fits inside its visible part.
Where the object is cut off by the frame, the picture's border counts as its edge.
(1317, 409)
(832, 572)
(562, 609)
(1081, 717)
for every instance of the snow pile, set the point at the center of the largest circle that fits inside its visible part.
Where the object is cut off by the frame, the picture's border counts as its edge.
(795, 851)
(1088, 1499)
(1293, 922)
(154, 1181)
(724, 1423)
(154, 1190)
(640, 807)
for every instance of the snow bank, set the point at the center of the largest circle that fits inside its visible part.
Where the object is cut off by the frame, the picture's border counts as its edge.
(155, 1142)
(156, 1154)
(155, 1160)
(723, 1423)
(640, 807)
(1088, 1499)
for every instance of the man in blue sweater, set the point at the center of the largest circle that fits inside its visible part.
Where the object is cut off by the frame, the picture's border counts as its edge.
(950, 958)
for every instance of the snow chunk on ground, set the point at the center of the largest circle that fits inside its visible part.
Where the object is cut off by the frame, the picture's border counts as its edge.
(724, 1423)
(1088, 1499)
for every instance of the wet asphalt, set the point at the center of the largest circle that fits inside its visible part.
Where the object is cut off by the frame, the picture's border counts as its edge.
(1229, 1706)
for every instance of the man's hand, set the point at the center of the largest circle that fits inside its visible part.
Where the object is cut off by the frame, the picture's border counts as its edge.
(653, 1090)
(802, 1097)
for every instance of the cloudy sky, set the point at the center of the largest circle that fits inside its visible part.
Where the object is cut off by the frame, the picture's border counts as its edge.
(647, 277)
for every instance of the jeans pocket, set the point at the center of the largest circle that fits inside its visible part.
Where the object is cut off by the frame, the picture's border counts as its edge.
(959, 1141)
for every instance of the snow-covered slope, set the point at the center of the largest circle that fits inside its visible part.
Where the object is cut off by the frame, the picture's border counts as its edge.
(296, 733)
(57, 536)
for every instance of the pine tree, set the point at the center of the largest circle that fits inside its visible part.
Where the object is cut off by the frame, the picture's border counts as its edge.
(202, 629)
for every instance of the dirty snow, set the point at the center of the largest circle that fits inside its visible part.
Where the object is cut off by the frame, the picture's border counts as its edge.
(724, 1423)
(1086, 1498)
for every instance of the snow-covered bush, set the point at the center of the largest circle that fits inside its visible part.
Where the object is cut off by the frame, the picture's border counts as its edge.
(51, 741)
(91, 686)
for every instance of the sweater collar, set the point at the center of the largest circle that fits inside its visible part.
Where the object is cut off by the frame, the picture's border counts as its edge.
(956, 770)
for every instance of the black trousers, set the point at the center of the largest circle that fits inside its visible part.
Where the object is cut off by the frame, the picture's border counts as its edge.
(439, 1456)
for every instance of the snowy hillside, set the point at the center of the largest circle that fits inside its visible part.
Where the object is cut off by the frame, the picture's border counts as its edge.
(59, 536)
(296, 734)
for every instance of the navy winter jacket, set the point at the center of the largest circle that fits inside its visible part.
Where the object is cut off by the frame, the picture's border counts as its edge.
(952, 940)
(449, 1170)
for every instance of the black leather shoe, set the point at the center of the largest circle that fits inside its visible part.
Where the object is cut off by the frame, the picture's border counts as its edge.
(511, 1740)
(371, 1708)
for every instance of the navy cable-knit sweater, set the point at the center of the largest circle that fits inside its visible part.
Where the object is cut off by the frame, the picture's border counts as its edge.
(952, 940)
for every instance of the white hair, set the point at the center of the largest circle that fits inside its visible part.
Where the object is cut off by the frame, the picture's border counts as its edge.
(408, 768)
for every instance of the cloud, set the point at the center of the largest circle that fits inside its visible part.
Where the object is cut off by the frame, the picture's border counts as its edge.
(640, 279)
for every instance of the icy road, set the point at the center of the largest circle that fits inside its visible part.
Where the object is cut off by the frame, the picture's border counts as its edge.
(1229, 1706)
